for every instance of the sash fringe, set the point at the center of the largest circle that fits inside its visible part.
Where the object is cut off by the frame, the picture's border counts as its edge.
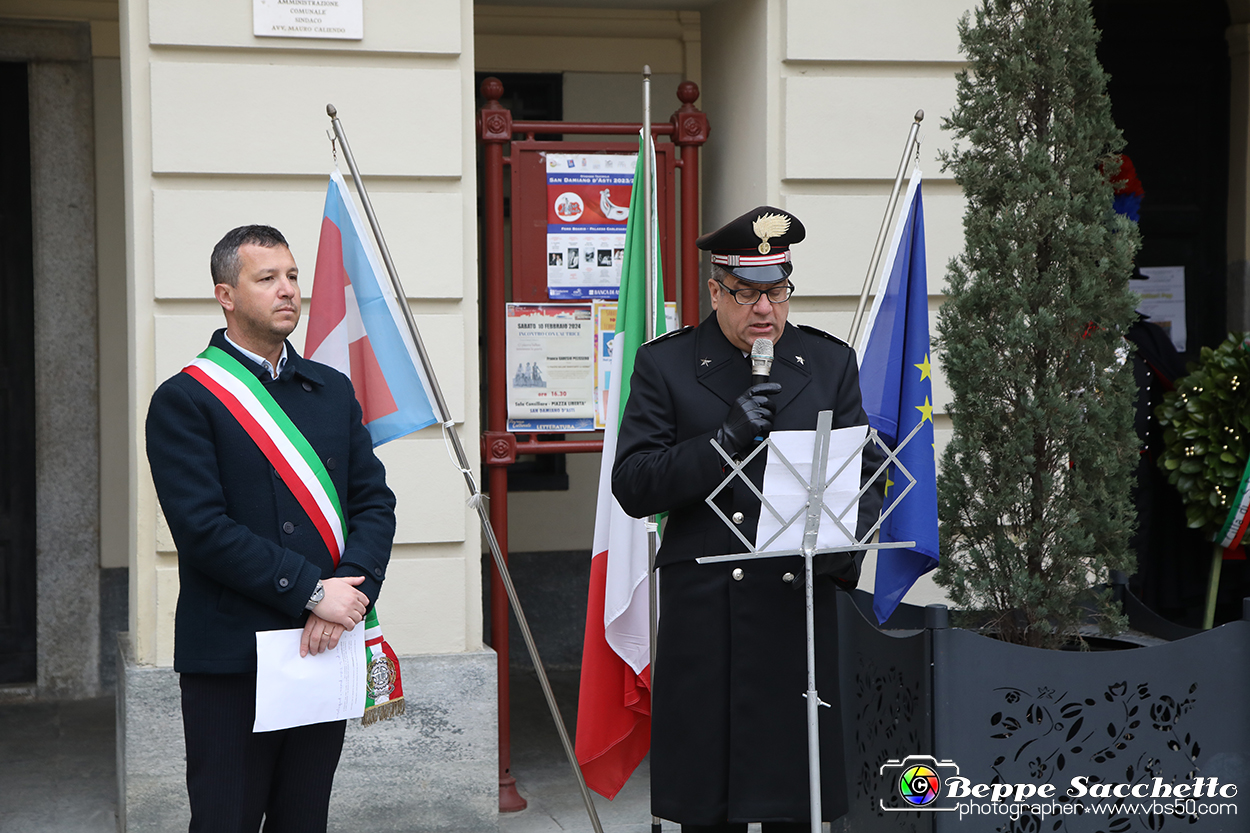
(382, 711)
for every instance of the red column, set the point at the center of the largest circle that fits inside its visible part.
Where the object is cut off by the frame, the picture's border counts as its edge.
(690, 131)
(494, 130)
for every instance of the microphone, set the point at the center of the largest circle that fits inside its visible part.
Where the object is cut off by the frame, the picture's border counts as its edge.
(761, 363)
(761, 360)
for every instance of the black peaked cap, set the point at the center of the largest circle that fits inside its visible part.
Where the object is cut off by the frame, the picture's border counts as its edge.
(756, 245)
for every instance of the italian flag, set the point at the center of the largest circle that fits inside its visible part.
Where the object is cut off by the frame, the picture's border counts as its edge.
(1234, 530)
(614, 704)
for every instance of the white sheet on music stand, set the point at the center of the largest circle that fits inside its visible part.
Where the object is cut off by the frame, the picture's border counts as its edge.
(789, 495)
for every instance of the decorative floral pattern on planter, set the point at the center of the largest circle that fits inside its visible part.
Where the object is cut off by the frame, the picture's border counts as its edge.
(1124, 734)
(888, 721)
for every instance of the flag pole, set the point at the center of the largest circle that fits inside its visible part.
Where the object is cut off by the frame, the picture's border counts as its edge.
(879, 248)
(811, 532)
(462, 462)
(648, 196)
(647, 174)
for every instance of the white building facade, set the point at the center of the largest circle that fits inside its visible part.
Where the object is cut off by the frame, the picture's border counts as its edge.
(157, 125)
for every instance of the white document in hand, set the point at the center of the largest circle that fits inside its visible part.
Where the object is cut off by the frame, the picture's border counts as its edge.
(295, 691)
(789, 495)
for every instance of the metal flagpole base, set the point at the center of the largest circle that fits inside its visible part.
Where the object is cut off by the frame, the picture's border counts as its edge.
(1213, 586)
(510, 801)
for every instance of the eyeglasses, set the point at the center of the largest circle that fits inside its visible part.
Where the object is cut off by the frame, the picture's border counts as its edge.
(750, 295)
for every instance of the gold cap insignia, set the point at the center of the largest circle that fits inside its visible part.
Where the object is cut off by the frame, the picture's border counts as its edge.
(769, 225)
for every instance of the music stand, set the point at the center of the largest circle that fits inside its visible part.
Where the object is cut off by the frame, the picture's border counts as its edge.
(813, 509)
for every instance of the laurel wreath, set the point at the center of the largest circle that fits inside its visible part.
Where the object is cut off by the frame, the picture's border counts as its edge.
(1206, 432)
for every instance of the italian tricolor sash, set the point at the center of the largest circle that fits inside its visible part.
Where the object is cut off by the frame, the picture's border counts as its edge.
(384, 691)
(293, 457)
(1234, 530)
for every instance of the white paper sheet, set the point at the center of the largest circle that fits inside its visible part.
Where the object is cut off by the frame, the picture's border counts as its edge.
(296, 691)
(1163, 299)
(788, 495)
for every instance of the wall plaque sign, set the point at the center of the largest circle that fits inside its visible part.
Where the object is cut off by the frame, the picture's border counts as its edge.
(342, 19)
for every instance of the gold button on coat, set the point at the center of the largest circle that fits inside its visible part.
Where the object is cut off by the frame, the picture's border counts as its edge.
(737, 574)
(737, 517)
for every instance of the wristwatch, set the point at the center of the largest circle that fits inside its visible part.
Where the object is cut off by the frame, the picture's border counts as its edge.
(317, 595)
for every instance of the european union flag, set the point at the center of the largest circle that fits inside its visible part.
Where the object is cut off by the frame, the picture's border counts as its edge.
(897, 385)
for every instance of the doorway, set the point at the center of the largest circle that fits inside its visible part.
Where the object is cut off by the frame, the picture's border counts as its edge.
(1169, 92)
(1170, 78)
(17, 385)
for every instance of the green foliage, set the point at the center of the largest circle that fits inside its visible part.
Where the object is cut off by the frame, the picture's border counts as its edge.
(1206, 432)
(1034, 494)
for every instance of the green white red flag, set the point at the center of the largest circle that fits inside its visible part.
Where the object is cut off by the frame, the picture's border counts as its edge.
(1234, 530)
(614, 705)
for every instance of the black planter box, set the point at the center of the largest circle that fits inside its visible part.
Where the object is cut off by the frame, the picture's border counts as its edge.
(1148, 718)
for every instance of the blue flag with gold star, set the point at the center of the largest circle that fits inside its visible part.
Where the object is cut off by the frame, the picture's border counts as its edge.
(897, 386)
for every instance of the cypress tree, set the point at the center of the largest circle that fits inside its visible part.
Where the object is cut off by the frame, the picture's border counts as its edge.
(1034, 493)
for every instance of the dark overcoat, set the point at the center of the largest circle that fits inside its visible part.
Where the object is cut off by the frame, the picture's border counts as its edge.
(248, 556)
(729, 736)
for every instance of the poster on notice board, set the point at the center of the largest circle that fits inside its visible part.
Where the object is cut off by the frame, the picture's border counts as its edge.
(587, 206)
(1162, 291)
(550, 367)
(605, 336)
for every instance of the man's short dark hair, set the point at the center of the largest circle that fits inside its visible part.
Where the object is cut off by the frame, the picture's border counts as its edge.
(224, 264)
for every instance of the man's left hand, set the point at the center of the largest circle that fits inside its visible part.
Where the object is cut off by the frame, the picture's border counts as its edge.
(319, 635)
(343, 603)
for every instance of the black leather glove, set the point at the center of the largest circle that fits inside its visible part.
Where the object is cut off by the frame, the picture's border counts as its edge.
(842, 567)
(750, 416)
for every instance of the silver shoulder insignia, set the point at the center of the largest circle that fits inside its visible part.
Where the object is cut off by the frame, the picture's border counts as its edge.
(816, 331)
(667, 335)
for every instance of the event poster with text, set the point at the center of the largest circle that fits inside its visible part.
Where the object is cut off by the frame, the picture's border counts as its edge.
(551, 384)
(605, 339)
(587, 206)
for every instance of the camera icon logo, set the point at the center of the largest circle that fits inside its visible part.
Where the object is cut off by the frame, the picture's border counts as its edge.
(916, 780)
(919, 785)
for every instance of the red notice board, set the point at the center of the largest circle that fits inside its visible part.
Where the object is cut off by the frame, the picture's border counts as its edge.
(532, 210)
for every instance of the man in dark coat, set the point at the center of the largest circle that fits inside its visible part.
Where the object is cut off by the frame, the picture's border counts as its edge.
(729, 731)
(250, 558)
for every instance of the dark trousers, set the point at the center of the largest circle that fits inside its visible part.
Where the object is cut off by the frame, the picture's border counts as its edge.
(235, 777)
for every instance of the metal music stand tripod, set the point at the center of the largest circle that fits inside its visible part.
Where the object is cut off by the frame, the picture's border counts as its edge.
(812, 511)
